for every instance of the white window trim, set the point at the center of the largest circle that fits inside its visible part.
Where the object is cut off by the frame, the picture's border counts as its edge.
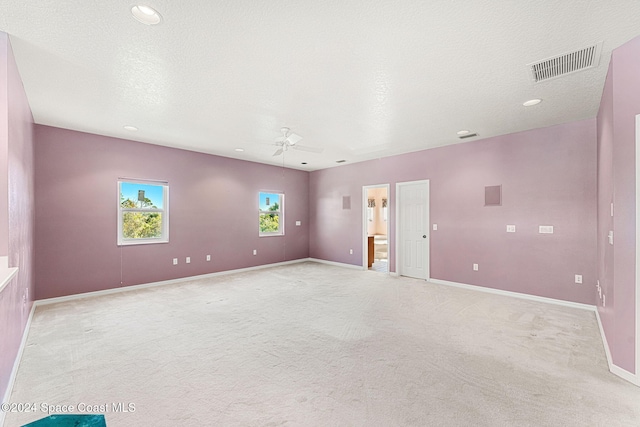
(165, 213)
(280, 213)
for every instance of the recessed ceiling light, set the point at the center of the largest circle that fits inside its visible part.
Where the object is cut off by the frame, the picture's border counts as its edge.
(145, 14)
(531, 102)
(463, 132)
(340, 161)
(131, 128)
(239, 150)
(303, 163)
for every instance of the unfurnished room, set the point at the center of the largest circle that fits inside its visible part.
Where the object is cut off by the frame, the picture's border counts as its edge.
(319, 213)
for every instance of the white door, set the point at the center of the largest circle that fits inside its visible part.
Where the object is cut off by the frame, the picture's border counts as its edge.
(413, 236)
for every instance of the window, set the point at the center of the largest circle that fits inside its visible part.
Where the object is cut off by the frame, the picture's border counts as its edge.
(371, 204)
(385, 209)
(143, 212)
(271, 212)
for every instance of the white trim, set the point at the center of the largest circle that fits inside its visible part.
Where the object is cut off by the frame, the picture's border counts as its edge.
(163, 283)
(335, 264)
(398, 225)
(16, 362)
(614, 369)
(515, 295)
(365, 225)
(637, 225)
(6, 273)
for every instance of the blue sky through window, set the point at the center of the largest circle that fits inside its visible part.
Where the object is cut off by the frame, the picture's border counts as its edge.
(153, 192)
(273, 198)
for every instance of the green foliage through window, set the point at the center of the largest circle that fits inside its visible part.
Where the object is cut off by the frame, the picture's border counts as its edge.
(270, 213)
(142, 216)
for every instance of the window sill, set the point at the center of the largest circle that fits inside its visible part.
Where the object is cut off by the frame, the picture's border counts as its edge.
(142, 242)
(6, 273)
(271, 235)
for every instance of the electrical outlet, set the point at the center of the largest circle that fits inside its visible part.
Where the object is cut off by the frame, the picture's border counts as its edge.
(175, 261)
(188, 260)
(255, 252)
(298, 223)
(578, 278)
(545, 229)
(208, 257)
(475, 267)
(511, 228)
(350, 251)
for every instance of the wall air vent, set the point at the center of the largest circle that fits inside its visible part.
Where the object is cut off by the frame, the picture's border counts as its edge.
(469, 135)
(568, 63)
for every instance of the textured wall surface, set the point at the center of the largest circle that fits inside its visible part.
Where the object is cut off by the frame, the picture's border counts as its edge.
(213, 211)
(617, 183)
(548, 177)
(16, 298)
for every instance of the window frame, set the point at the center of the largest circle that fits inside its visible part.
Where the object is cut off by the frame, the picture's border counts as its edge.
(279, 212)
(164, 238)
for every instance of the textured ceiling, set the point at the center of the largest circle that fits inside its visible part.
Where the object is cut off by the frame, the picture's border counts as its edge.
(361, 79)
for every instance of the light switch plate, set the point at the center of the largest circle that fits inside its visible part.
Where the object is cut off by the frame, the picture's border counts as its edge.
(435, 227)
(511, 228)
(546, 229)
(298, 223)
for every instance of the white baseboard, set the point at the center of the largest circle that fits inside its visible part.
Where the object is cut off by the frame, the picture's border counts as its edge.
(16, 362)
(164, 282)
(515, 295)
(337, 264)
(614, 369)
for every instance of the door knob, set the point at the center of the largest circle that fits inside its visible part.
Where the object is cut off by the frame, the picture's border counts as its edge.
(424, 236)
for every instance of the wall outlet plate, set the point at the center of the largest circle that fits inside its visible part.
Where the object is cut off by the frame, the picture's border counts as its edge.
(475, 267)
(511, 228)
(188, 260)
(545, 229)
(175, 261)
(208, 257)
(578, 278)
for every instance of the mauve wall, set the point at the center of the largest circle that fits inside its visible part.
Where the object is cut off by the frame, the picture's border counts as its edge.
(4, 148)
(616, 182)
(213, 210)
(16, 298)
(548, 177)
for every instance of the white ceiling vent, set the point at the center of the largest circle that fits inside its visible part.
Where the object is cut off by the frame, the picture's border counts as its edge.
(568, 63)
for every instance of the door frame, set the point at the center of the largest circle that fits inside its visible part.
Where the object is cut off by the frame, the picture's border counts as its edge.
(398, 225)
(365, 231)
(637, 172)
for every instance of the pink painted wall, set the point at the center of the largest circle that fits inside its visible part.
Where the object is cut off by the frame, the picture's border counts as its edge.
(4, 147)
(616, 182)
(213, 210)
(548, 177)
(15, 305)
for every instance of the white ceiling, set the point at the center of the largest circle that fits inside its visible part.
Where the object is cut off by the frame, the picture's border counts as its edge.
(362, 79)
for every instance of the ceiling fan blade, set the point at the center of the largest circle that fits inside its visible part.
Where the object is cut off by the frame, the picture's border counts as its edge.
(309, 149)
(293, 139)
(277, 153)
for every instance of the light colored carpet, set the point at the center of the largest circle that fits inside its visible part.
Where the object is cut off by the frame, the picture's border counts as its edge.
(316, 345)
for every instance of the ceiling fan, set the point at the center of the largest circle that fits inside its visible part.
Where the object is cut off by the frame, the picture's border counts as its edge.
(290, 140)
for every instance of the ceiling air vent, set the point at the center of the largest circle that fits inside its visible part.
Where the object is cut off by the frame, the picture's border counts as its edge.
(469, 135)
(561, 65)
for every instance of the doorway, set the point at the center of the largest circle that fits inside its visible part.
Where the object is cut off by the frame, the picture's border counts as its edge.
(412, 229)
(375, 214)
